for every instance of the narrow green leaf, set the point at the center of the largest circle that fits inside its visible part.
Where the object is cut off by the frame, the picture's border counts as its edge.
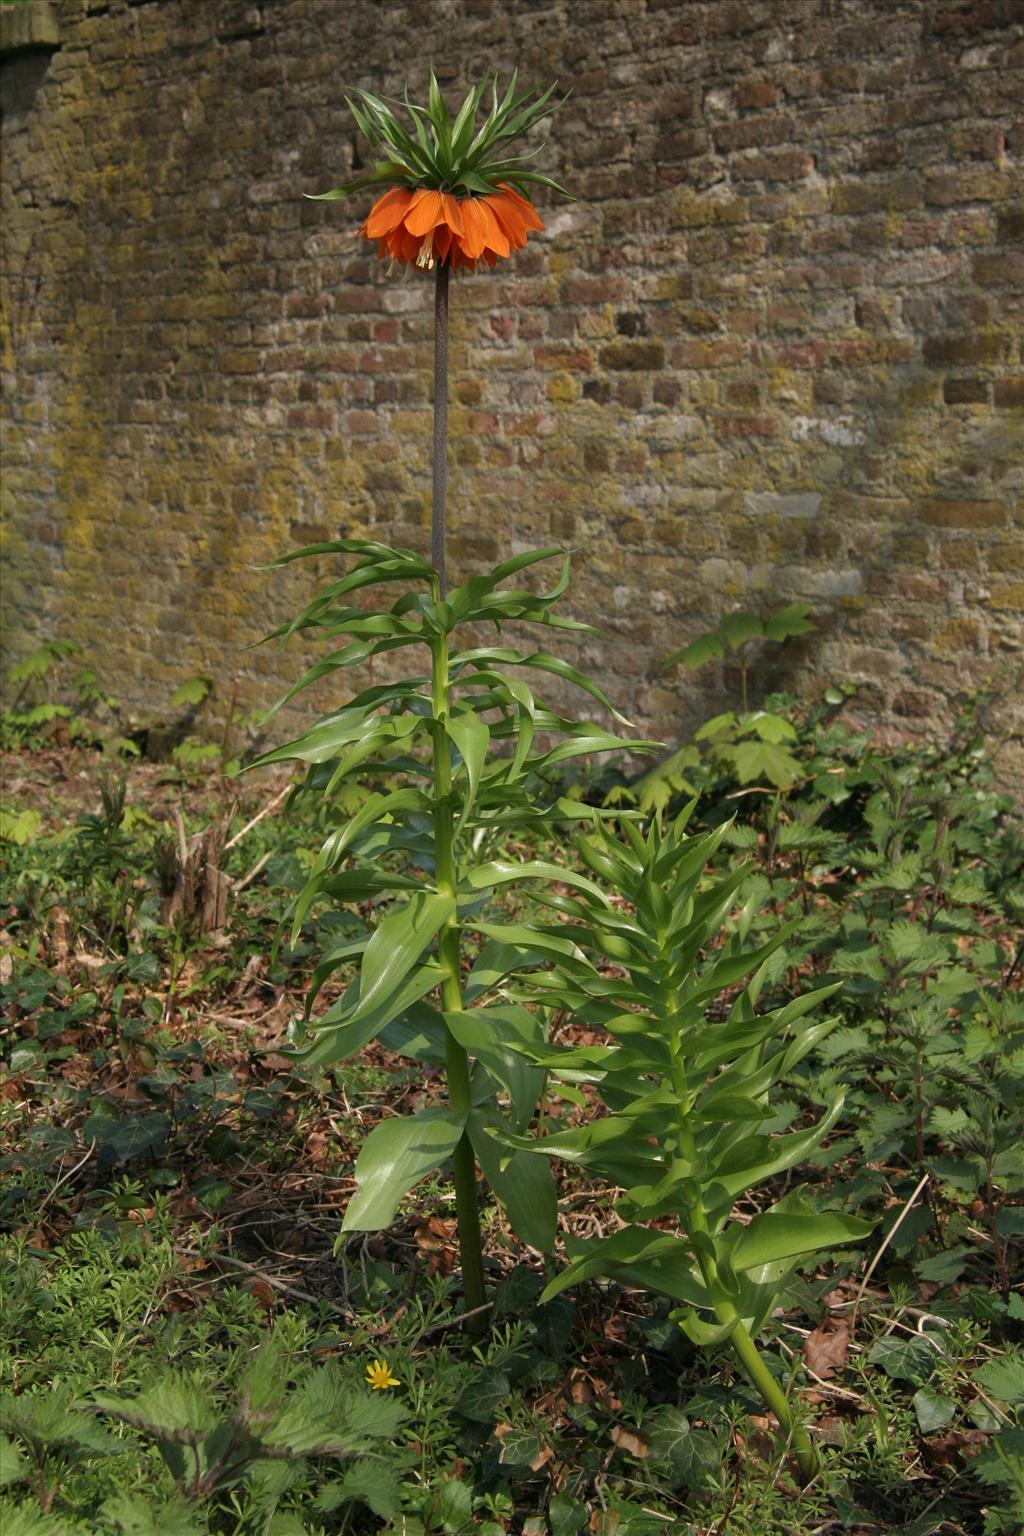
(499, 1037)
(395, 1156)
(471, 737)
(501, 872)
(775, 1235)
(658, 1261)
(349, 1025)
(398, 942)
(524, 1187)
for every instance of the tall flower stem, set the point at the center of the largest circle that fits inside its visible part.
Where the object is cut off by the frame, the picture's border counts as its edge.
(438, 526)
(467, 1204)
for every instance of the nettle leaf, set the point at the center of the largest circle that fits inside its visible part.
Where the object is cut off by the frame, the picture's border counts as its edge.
(326, 1416)
(370, 1482)
(1003, 1379)
(395, 1156)
(29, 1520)
(174, 1407)
(134, 1515)
(13, 1466)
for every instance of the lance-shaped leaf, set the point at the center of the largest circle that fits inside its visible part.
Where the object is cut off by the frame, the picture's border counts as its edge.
(397, 943)
(463, 600)
(534, 939)
(731, 968)
(499, 1037)
(351, 655)
(523, 1183)
(501, 872)
(658, 1261)
(611, 1143)
(789, 1234)
(349, 1025)
(323, 740)
(540, 661)
(379, 806)
(756, 1158)
(368, 549)
(418, 1033)
(395, 1156)
(471, 737)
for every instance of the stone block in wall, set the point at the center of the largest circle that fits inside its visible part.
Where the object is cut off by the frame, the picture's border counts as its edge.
(28, 28)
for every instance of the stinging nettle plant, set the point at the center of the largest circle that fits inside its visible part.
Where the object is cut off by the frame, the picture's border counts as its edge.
(690, 1128)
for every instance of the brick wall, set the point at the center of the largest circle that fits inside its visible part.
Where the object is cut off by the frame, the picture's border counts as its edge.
(771, 353)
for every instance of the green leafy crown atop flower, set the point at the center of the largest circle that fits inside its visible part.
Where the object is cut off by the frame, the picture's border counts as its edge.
(446, 153)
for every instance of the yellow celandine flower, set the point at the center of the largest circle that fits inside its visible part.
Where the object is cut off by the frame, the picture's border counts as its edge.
(379, 1376)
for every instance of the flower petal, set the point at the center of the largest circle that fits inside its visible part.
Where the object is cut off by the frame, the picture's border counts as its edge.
(509, 219)
(452, 215)
(531, 218)
(387, 212)
(481, 230)
(474, 231)
(425, 212)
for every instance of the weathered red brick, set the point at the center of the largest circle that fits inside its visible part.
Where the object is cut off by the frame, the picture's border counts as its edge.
(1008, 392)
(756, 94)
(937, 513)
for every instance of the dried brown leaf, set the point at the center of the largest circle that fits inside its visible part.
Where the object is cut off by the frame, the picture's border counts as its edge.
(825, 1350)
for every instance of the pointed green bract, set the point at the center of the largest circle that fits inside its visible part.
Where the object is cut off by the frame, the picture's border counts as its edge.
(450, 154)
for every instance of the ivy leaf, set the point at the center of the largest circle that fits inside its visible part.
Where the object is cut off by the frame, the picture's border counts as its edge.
(934, 1410)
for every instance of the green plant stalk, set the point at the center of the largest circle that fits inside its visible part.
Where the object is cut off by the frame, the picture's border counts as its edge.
(467, 1206)
(438, 524)
(743, 1345)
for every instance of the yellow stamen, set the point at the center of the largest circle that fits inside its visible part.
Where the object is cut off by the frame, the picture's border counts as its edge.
(426, 255)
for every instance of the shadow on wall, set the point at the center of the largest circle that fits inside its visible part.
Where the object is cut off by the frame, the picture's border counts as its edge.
(899, 538)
